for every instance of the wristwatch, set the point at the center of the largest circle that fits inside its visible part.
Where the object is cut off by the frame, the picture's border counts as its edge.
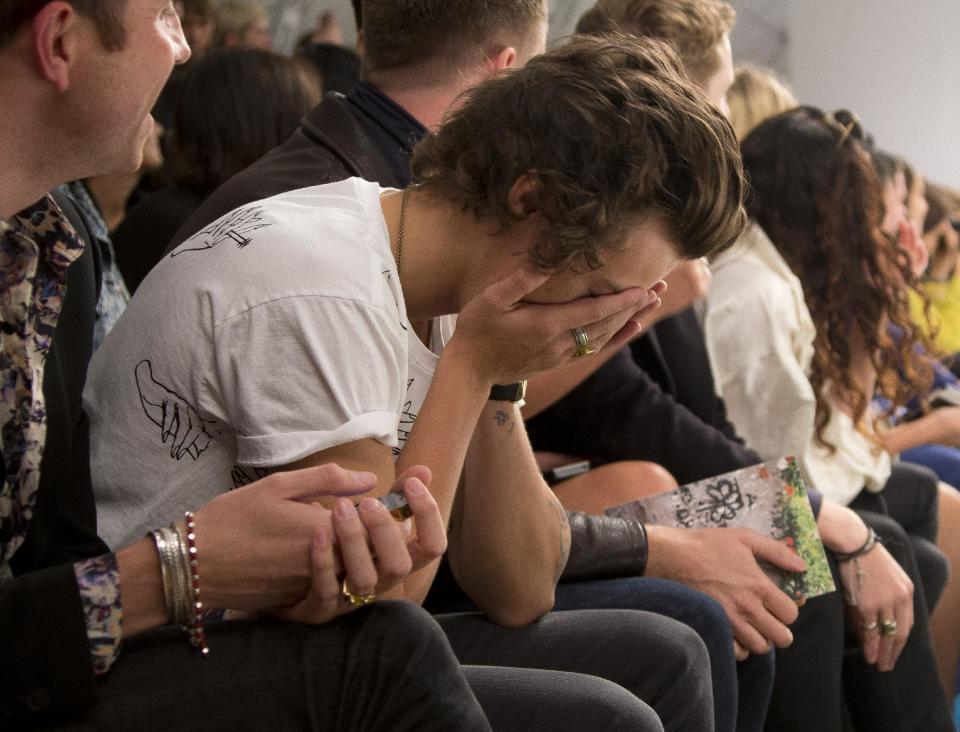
(509, 393)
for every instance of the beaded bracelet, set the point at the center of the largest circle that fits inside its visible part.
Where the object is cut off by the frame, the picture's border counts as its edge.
(188, 551)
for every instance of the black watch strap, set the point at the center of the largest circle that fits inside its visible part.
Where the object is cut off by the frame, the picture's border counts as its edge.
(508, 392)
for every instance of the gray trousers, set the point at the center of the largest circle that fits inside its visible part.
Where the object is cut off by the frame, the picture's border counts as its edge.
(385, 667)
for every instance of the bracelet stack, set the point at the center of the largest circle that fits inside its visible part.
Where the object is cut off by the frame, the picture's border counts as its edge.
(177, 549)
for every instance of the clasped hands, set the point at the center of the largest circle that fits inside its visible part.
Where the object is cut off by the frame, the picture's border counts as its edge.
(269, 547)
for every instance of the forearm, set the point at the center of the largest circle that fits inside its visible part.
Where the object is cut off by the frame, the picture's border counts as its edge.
(440, 439)
(840, 528)
(923, 431)
(512, 543)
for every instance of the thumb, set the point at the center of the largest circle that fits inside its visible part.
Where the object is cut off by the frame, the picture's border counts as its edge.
(777, 553)
(330, 479)
(513, 288)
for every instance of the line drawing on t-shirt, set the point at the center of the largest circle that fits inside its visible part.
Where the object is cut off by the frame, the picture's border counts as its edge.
(235, 227)
(242, 476)
(388, 275)
(179, 421)
(407, 419)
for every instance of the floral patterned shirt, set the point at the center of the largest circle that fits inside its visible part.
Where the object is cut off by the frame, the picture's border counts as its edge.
(36, 248)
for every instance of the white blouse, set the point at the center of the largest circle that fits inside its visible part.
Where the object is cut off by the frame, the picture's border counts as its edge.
(760, 339)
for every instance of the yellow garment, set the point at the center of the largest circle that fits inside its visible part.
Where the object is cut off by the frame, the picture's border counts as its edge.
(944, 312)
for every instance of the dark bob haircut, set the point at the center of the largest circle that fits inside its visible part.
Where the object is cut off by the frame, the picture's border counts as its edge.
(235, 106)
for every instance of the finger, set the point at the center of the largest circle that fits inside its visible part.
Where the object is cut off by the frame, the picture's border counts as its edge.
(904, 615)
(589, 310)
(739, 652)
(869, 638)
(770, 618)
(887, 642)
(420, 472)
(748, 636)
(361, 574)
(622, 337)
(431, 539)
(323, 600)
(775, 552)
(779, 604)
(601, 333)
(190, 426)
(512, 289)
(391, 556)
(308, 484)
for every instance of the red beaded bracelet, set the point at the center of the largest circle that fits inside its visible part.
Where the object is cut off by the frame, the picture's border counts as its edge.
(198, 638)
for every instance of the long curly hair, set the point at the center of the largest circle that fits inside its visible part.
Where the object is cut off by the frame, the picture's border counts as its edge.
(815, 193)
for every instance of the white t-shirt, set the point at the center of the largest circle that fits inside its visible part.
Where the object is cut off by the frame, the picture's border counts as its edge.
(760, 338)
(276, 332)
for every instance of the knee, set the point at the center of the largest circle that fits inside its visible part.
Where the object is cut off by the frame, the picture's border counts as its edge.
(637, 477)
(403, 632)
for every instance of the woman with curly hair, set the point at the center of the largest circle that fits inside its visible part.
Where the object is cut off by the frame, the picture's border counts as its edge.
(799, 321)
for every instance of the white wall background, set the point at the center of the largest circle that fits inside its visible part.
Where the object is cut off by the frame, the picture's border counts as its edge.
(896, 63)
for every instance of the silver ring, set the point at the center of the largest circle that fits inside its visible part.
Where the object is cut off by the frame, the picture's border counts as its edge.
(870, 626)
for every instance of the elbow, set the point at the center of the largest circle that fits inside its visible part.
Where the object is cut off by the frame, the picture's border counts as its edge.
(525, 608)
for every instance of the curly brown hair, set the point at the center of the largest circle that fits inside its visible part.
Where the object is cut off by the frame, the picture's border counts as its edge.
(611, 131)
(815, 193)
(106, 14)
(692, 27)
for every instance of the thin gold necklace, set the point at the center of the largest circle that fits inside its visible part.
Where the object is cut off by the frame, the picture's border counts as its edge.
(398, 257)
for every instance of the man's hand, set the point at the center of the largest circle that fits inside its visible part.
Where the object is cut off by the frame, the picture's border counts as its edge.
(266, 547)
(723, 564)
(507, 339)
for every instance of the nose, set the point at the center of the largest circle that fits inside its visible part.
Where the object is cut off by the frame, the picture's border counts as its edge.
(181, 47)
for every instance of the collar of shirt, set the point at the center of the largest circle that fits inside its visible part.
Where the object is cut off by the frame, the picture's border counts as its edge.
(392, 128)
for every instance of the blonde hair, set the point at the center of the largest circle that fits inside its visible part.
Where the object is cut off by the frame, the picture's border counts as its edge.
(756, 95)
(693, 27)
(235, 17)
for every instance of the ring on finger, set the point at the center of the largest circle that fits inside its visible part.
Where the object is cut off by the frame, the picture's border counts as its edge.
(869, 627)
(582, 341)
(353, 599)
(888, 628)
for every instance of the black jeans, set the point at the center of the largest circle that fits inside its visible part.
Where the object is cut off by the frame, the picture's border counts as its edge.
(385, 667)
(655, 658)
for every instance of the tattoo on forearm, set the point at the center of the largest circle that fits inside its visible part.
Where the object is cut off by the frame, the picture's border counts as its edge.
(561, 515)
(504, 419)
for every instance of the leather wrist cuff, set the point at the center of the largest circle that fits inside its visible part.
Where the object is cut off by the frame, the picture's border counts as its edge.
(603, 547)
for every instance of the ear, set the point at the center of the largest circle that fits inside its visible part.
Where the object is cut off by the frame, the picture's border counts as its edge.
(55, 42)
(522, 198)
(503, 57)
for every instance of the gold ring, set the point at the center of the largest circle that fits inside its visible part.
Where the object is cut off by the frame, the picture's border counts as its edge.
(888, 628)
(580, 338)
(356, 600)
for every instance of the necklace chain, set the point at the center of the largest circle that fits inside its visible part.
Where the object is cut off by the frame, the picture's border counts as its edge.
(398, 257)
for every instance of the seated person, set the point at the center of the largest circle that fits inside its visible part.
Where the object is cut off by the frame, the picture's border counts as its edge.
(234, 106)
(66, 603)
(778, 322)
(525, 259)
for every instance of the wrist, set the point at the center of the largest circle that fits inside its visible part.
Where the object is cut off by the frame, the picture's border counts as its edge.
(144, 604)
(465, 368)
(841, 529)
